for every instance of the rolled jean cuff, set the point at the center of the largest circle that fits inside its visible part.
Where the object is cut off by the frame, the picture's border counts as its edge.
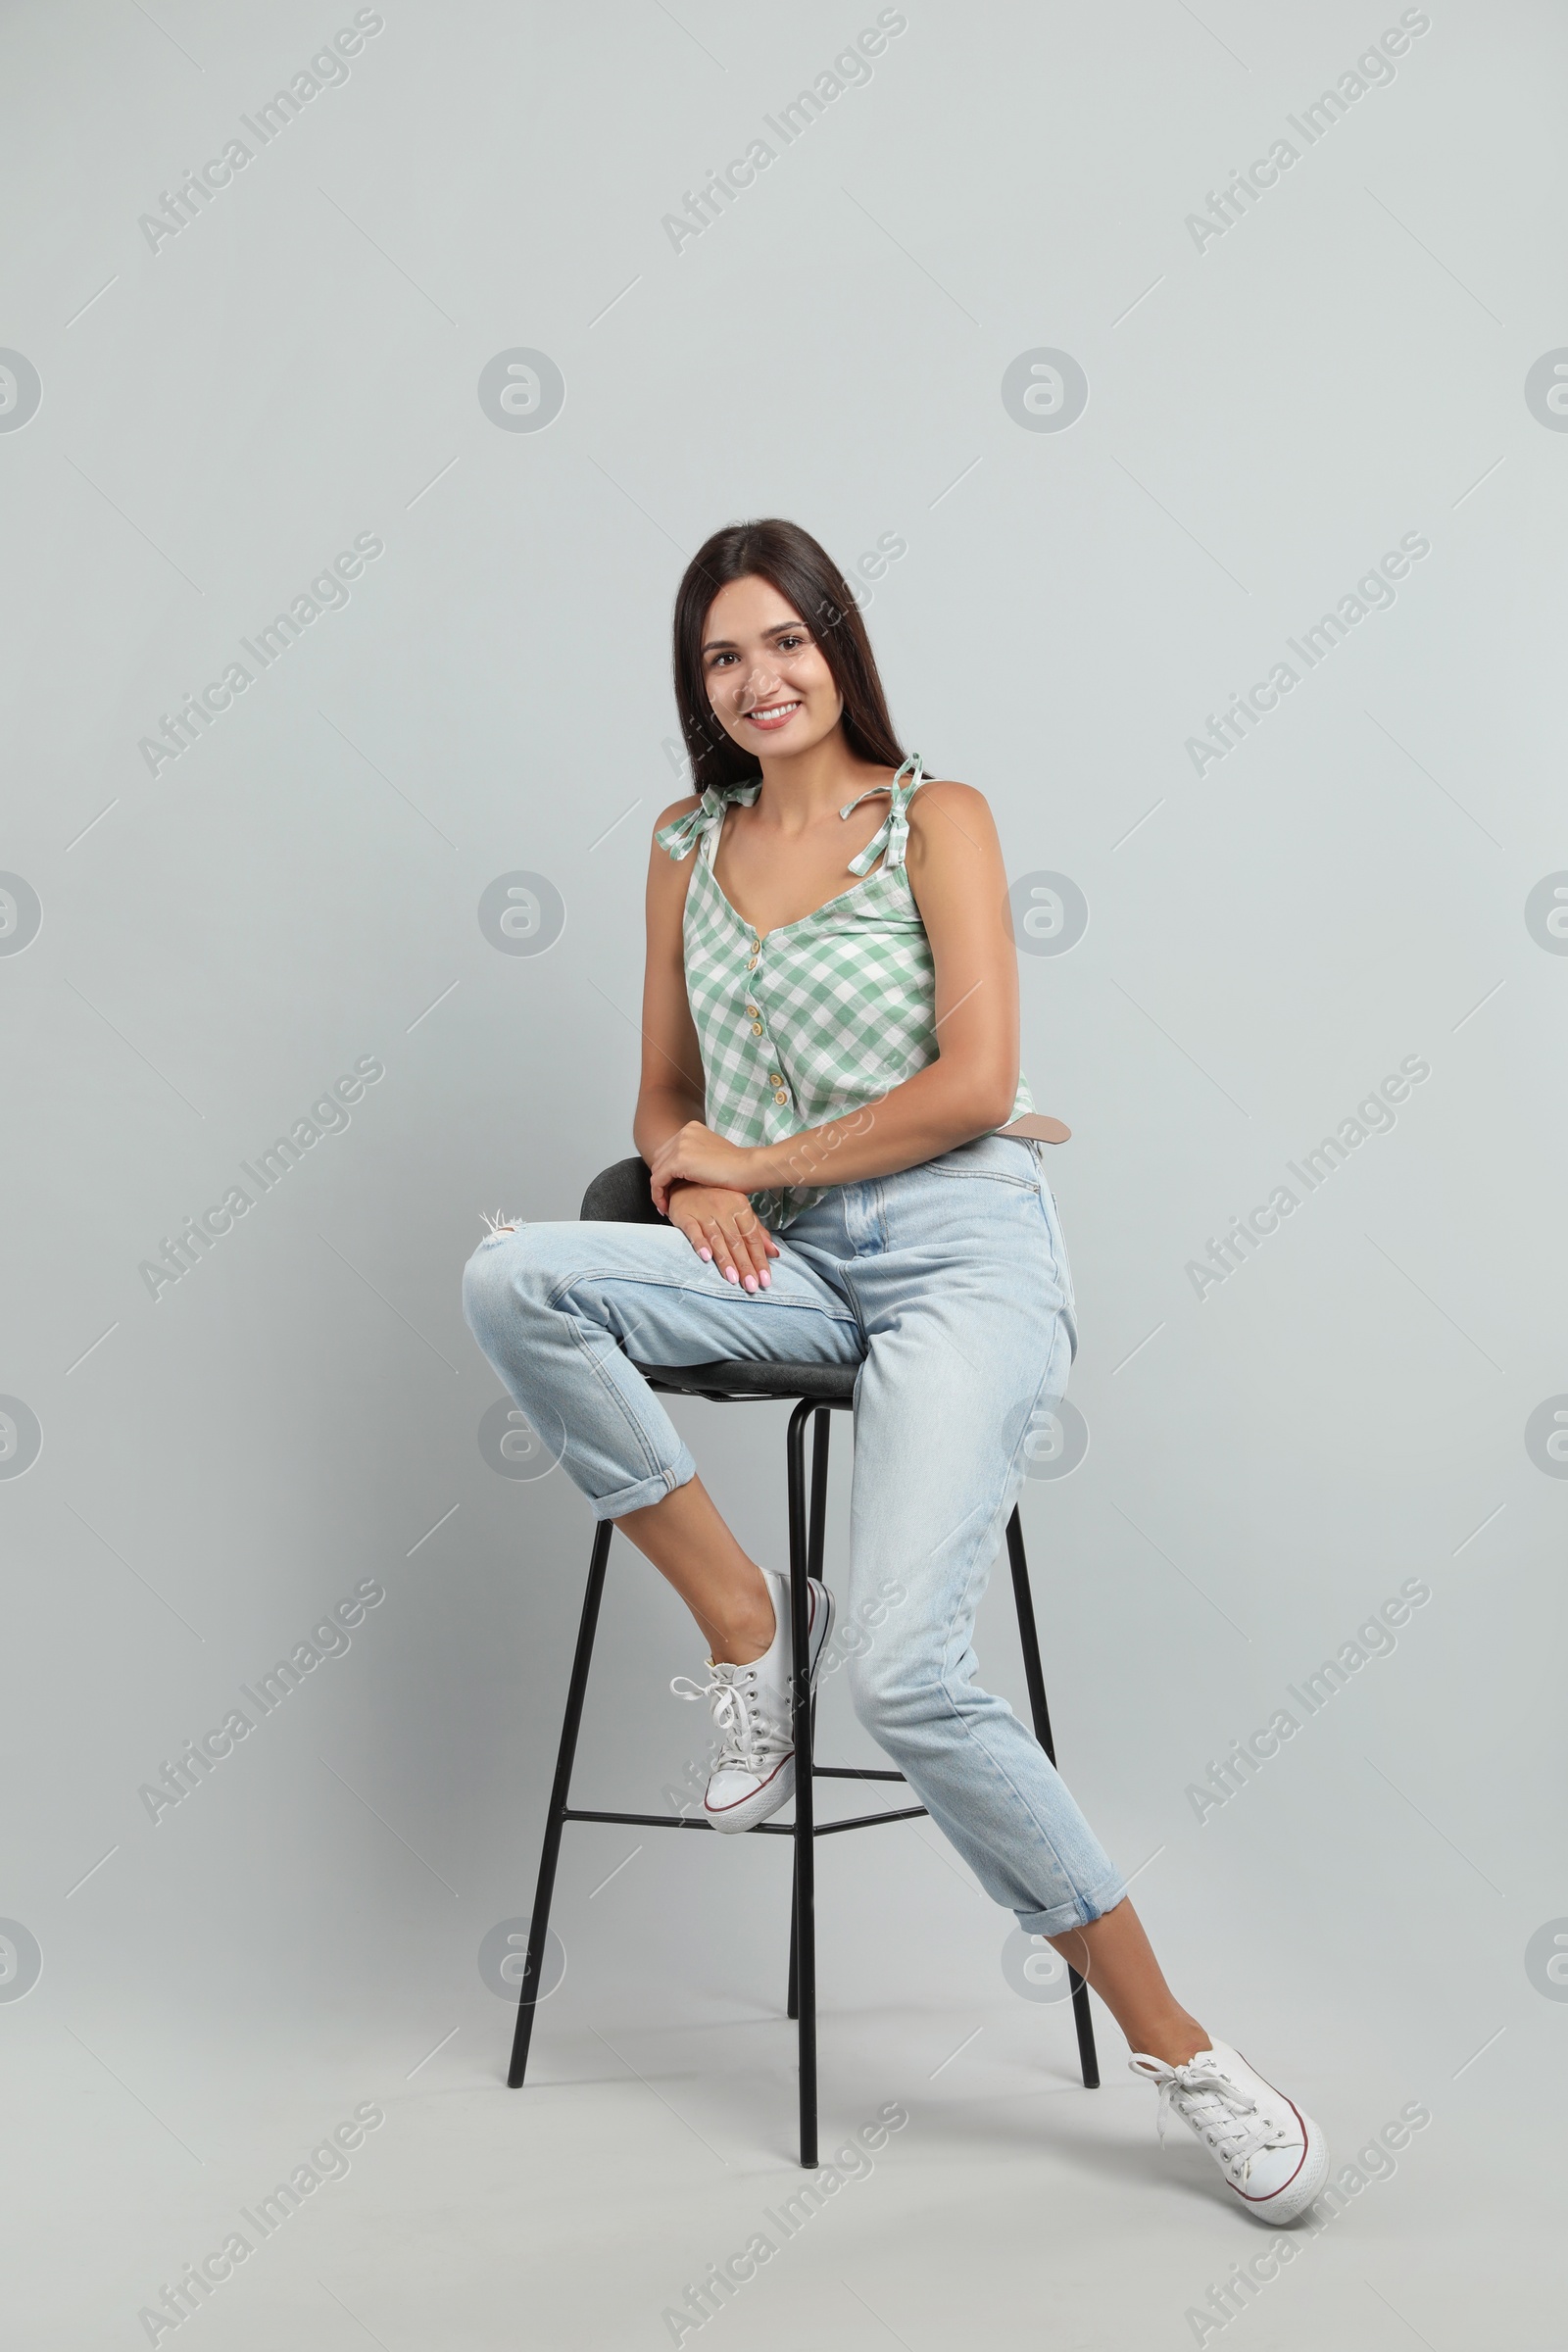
(647, 1490)
(1081, 1912)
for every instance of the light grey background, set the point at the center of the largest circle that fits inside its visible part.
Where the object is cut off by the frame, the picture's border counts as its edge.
(219, 1465)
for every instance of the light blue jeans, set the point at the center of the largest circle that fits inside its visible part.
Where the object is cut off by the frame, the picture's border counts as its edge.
(949, 1285)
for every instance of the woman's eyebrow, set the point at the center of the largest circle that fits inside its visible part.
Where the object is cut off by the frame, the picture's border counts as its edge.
(727, 645)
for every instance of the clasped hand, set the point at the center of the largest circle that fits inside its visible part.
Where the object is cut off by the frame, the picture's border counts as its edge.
(701, 1182)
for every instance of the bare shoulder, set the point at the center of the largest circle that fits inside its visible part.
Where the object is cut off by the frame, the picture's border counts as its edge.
(943, 793)
(666, 872)
(677, 809)
(944, 813)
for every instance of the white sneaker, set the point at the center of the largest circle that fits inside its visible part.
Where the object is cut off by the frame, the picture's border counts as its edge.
(753, 1773)
(1274, 2157)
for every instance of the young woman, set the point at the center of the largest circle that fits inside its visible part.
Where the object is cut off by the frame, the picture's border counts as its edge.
(829, 1103)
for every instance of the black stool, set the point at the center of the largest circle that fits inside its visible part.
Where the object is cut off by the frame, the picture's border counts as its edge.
(620, 1194)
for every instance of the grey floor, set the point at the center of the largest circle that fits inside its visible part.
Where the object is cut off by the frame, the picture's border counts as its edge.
(655, 2141)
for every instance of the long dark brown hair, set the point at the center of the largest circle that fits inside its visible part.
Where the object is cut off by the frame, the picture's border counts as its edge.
(806, 576)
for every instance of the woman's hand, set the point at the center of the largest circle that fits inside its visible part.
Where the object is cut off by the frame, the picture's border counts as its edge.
(696, 1152)
(724, 1228)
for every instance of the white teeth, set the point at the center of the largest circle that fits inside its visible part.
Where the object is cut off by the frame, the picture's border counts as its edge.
(780, 710)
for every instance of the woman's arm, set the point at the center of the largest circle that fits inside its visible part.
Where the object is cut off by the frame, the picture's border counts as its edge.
(960, 887)
(715, 1217)
(670, 1090)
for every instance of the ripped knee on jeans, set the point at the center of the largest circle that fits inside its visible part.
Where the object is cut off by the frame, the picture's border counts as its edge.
(499, 1224)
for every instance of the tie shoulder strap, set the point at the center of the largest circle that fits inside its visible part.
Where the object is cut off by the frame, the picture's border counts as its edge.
(682, 834)
(892, 833)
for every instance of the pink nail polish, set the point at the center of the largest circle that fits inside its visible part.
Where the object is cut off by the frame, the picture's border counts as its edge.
(707, 1255)
(751, 1282)
(730, 1274)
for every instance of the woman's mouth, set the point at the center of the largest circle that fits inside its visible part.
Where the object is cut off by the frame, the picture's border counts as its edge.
(773, 716)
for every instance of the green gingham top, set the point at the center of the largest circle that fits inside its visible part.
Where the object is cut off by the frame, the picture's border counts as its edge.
(820, 1017)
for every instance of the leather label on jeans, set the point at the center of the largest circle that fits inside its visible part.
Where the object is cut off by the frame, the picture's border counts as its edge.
(1036, 1122)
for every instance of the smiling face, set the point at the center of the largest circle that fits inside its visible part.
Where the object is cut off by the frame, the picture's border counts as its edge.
(766, 677)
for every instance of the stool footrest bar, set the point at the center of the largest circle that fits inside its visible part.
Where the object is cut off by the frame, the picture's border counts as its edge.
(867, 1821)
(826, 1828)
(640, 1820)
(761, 1828)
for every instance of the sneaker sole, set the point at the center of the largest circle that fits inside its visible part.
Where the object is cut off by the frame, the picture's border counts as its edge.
(779, 1787)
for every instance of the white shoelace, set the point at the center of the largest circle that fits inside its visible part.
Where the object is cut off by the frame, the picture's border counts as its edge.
(1230, 2120)
(744, 1741)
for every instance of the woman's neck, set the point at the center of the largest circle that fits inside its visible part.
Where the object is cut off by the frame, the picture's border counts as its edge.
(798, 792)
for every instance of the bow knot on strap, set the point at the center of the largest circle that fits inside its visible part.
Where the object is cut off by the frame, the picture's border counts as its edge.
(680, 836)
(894, 831)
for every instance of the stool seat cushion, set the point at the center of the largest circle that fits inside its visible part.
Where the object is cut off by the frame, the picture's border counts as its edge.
(824, 1384)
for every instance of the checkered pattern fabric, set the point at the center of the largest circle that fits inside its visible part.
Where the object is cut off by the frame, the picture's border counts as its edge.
(817, 1019)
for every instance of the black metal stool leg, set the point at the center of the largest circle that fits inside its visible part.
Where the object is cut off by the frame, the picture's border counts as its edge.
(819, 1444)
(792, 1999)
(821, 1431)
(539, 1922)
(805, 1937)
(1029, 1640)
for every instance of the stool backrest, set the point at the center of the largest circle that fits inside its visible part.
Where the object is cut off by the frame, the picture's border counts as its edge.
(619, 1196)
